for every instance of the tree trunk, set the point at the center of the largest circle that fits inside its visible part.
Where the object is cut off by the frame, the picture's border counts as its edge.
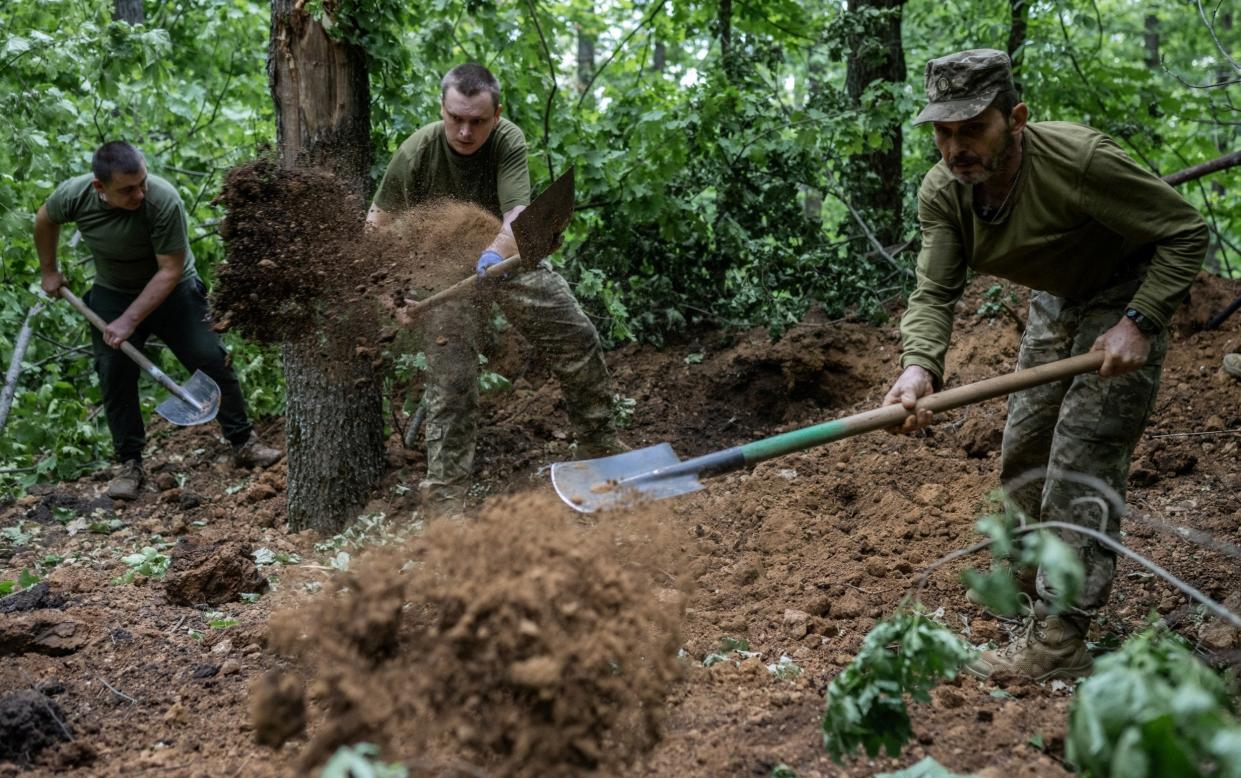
(1152, 41)
(585, 56)
(334, 416)
(660, 60)
(725, 21)
(1019, 22)
(877, 55)
(128, 11)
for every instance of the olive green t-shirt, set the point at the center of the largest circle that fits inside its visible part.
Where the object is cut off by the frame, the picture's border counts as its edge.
(124, 243)
(1082, 217)
(496, 177)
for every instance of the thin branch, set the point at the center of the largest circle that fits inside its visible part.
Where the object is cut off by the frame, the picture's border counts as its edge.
(866, 230)
(1206, 168)
(1195, 434)
(15, 364)
(551, 95)
(1210, 25)
(115, 691)
(1219, 610)
(586, 89)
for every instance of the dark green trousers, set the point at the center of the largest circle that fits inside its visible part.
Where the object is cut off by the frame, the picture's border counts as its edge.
(182, 321)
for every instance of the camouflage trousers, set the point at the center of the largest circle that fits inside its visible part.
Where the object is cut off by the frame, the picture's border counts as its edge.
(1087, 425)
(541, 307)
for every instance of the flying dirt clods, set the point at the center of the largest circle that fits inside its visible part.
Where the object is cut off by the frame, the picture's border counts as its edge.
(301, 261)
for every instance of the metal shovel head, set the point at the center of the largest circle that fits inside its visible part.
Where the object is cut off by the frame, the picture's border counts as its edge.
(539, 227)
(621, 481)
(205, 393)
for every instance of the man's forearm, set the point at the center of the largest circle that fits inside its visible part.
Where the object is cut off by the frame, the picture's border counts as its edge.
(505, 244)
(46, 239)
(154, 293)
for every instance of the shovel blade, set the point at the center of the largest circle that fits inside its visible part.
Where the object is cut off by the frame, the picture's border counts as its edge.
(621, 481)
(203, 391)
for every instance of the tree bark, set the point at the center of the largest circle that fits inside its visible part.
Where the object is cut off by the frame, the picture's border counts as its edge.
(1019, 23)
(724, 20)
(585, 56)
(334, 416)
(876, 56)
(1151, 37)
(128, 11)
(660, 59)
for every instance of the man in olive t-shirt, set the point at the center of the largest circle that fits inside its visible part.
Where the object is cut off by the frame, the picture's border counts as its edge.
(1109, 251)
(135, 227)
(475, 155)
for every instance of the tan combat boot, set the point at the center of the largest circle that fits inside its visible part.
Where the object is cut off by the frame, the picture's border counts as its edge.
(127, 483)
(1232, 365)
(1052, 647)
(1024, 578)
(253, 453)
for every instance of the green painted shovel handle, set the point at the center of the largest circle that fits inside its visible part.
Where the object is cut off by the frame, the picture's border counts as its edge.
(895, 415)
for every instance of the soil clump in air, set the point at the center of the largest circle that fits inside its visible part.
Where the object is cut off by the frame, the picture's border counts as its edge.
(302, 264)
(522, 642)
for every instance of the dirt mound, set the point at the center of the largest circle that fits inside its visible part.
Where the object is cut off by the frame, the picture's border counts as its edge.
(522, 640)
(213, 573)
(29, 723)
(301, 261)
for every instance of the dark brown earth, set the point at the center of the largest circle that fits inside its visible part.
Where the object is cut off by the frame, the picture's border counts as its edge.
(300, 259)
(798, 557)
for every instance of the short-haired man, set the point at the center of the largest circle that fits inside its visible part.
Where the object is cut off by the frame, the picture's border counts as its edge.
(1109, 251)
(145, 284)
(475, 155)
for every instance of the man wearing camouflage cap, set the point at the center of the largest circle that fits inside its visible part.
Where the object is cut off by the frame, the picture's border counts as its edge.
(1108, 251)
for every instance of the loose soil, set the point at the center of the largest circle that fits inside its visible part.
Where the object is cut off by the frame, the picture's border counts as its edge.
(798, 557)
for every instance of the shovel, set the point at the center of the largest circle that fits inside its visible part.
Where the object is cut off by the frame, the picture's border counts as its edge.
(656, 472)
(537, 230)
(195, 403)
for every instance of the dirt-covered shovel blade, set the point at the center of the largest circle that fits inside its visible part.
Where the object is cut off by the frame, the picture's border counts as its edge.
(591, 485)
(538, 228)
(201, 405)
(655, 472)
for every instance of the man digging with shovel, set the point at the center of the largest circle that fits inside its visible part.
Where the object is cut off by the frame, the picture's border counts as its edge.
(1109, 251)
(145, 284)
(474, 155)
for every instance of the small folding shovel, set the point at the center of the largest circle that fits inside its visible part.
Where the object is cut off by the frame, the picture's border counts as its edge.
(656, 472)
(195, 403)
(537, 230)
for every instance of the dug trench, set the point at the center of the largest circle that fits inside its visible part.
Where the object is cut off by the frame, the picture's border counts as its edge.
(464, 625)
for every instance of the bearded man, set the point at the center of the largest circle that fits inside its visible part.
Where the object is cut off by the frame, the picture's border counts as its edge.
(1109, 251)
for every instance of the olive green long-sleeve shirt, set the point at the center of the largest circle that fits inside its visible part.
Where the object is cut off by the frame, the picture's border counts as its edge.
(1082, 216)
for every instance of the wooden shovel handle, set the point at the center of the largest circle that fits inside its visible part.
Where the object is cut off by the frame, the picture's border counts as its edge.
(495, 272)
(147, 365)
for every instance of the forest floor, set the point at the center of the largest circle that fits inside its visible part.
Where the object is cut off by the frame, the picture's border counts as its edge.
(798, 558)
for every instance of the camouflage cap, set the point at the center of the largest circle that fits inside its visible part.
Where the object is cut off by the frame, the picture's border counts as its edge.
(960, 86)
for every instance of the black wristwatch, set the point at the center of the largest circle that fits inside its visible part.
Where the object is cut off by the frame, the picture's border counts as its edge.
(1144, 325)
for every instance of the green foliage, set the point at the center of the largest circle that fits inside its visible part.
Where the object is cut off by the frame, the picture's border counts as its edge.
(25, 579)
(150, 562)
(904, 654)
(1040, 550)
(361, 761)
(927, 768)
(783, 771)
(730, 648)
(1152, 709)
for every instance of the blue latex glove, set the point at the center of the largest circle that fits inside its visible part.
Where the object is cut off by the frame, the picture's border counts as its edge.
(486, 260)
